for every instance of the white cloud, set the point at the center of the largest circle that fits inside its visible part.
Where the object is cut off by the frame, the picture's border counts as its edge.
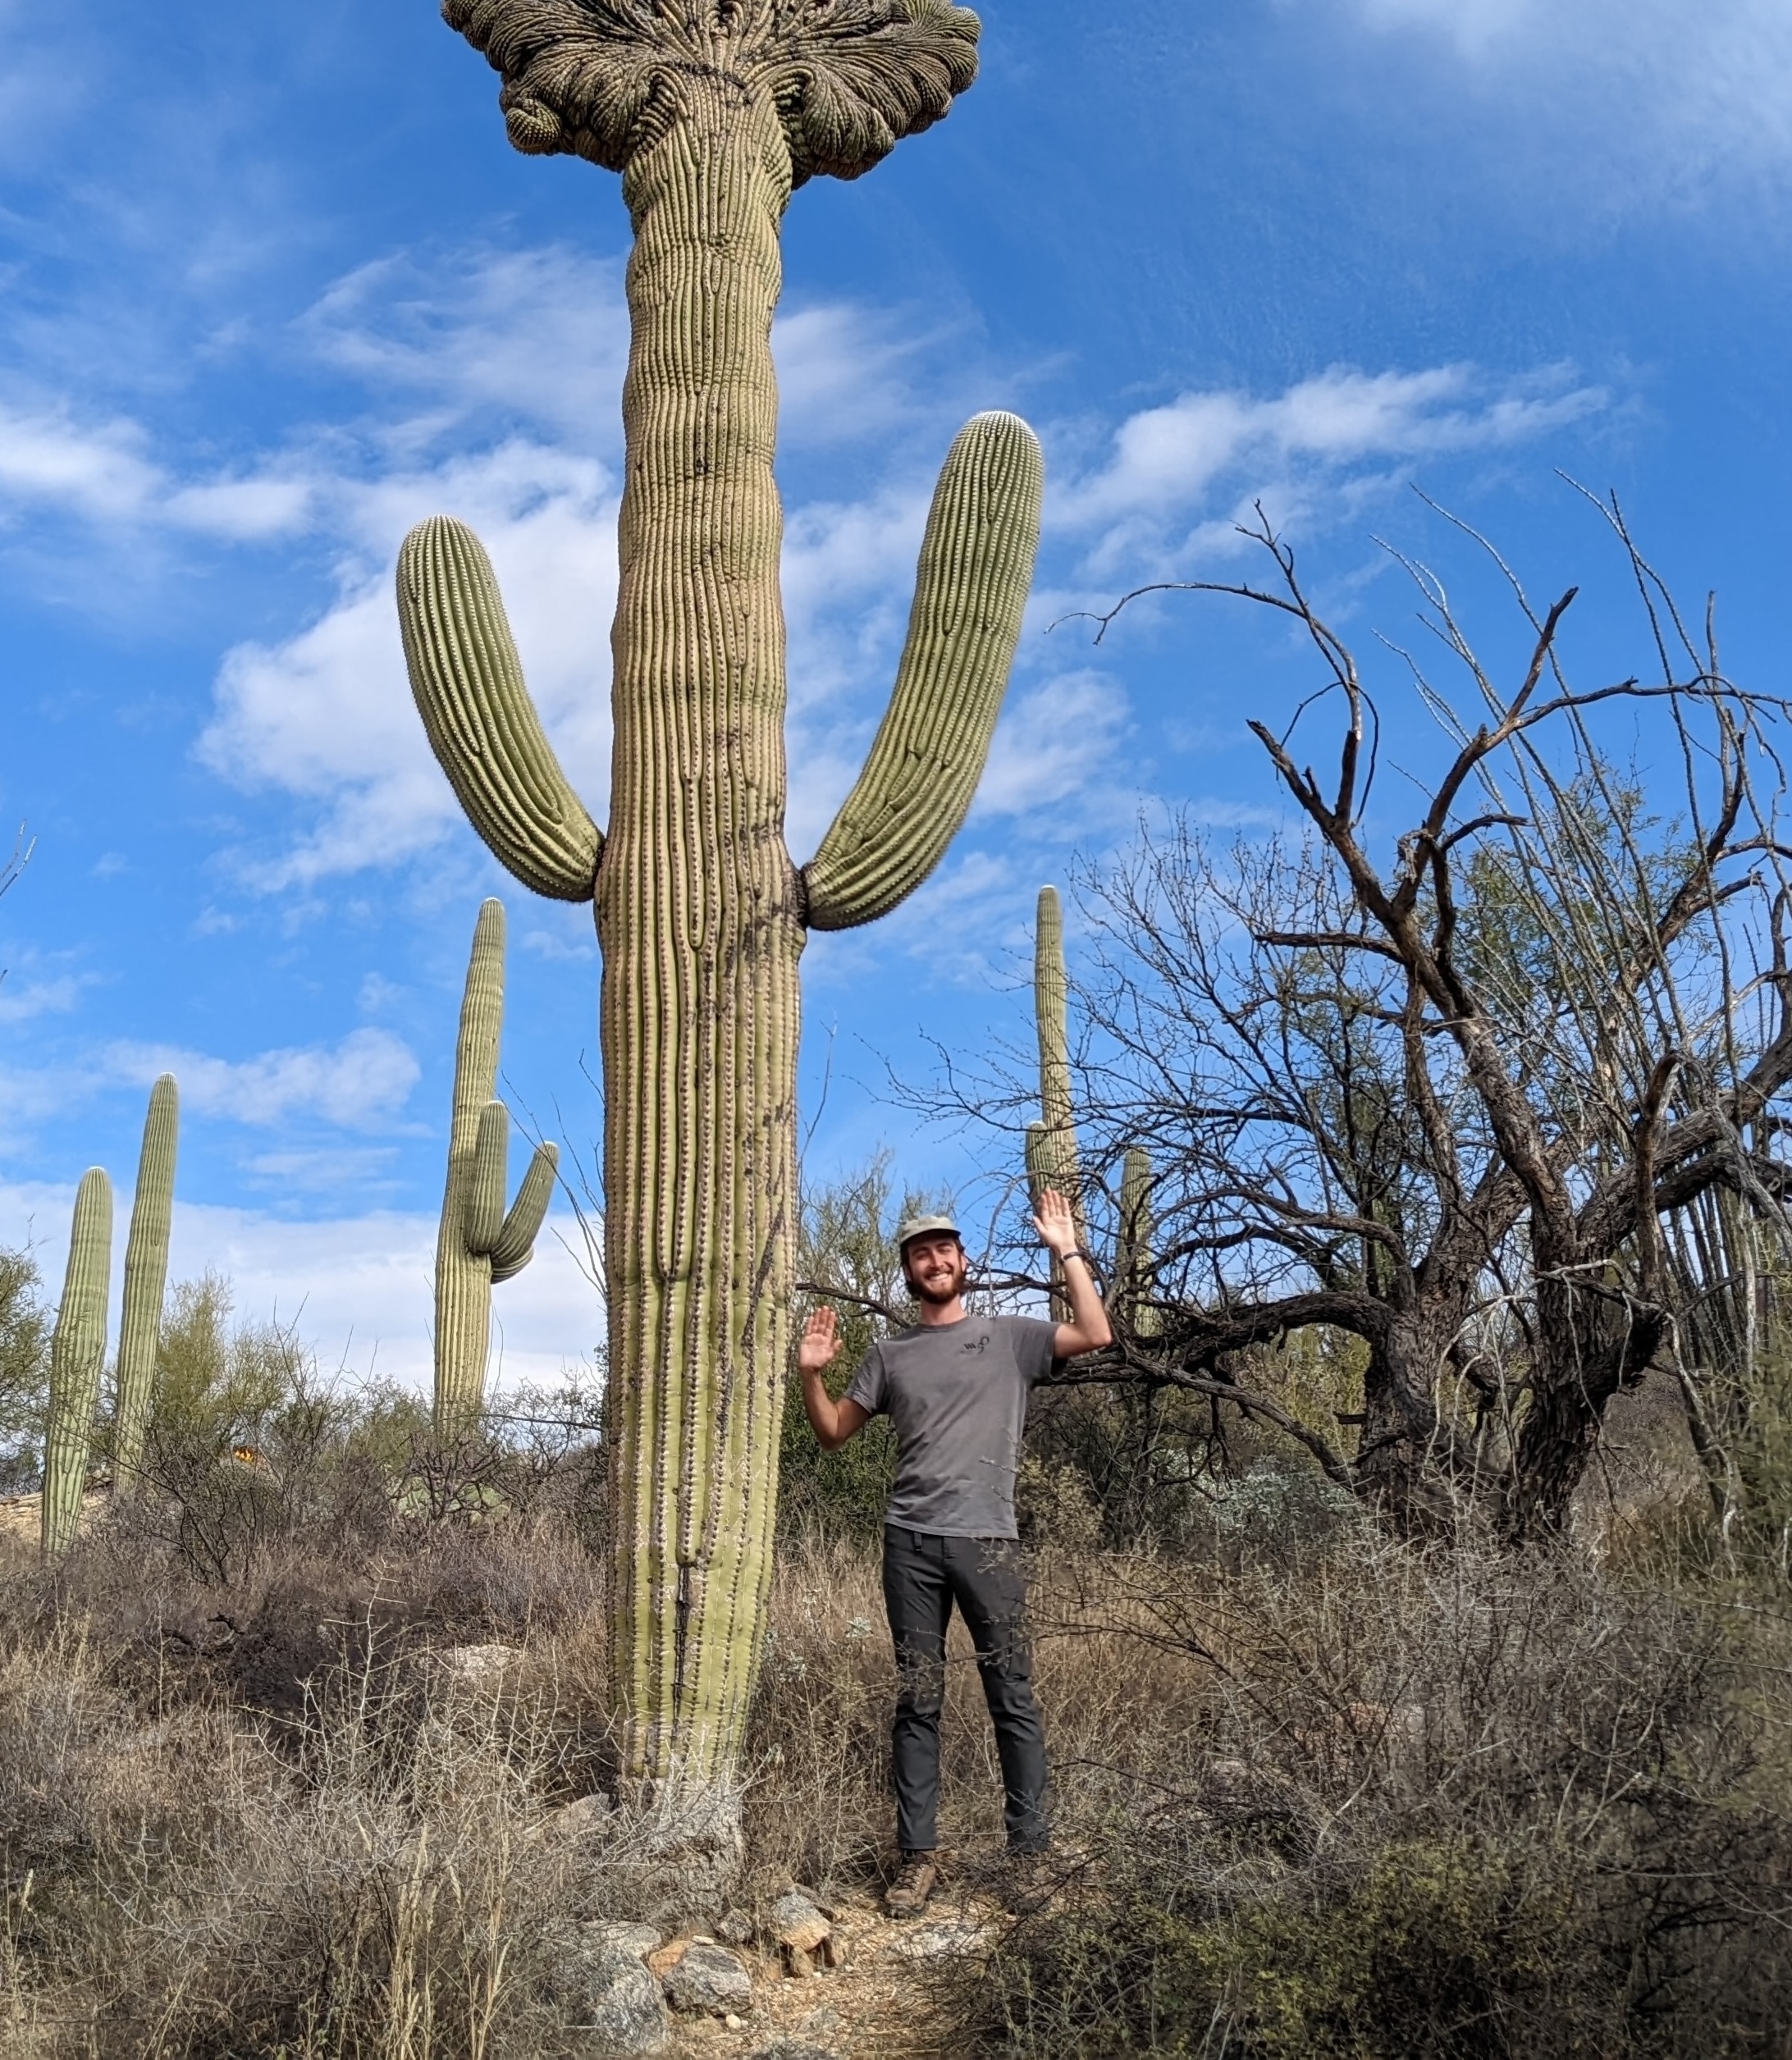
(1053, 742)
(1171, 463)
(484, 336)
(361, 1083)
(359, 1288)
(327, 715)
(96, 471)
(21, 1000)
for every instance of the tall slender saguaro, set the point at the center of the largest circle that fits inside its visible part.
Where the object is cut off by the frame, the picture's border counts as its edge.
(77, 1353)
(480, 1245)
(714, 110)
(1053, 1157)
(146, 1280)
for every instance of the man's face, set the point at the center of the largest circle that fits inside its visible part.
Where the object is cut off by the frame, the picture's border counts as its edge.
(936, 1266)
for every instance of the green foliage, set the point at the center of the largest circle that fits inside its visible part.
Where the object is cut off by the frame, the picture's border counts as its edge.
(1452, 1947)
(25, 1372)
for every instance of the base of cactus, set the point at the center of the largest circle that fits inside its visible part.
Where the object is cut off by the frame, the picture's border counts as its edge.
(680, 1847)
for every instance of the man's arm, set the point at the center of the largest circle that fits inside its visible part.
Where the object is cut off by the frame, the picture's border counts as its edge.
(833, 1422)
(1088, 1330)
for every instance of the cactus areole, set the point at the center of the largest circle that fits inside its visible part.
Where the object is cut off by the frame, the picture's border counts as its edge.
(713, 112)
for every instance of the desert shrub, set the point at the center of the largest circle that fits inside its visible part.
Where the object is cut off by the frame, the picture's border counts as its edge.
(25, 1369)
(1426, 1802)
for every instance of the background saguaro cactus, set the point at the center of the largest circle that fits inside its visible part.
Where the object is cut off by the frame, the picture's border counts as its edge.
(713, 112)
(1053, 1157)
(146, 1276)
(480, 1244)
(77, 1351)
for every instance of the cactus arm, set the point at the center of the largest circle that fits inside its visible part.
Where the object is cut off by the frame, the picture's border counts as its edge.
(483, 1216)
(481, 725)
(976, 567)
(515, 1245)
(146, 1276)
(77, 1352)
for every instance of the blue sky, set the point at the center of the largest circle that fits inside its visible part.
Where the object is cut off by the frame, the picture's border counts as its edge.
(273, 287)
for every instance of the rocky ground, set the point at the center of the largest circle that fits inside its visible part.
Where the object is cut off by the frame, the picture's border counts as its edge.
(815, 1979)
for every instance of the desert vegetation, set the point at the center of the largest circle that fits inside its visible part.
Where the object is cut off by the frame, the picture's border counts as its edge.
(296, 1745)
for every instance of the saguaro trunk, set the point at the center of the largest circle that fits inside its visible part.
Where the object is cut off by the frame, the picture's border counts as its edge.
(713, 111)
(698, 912)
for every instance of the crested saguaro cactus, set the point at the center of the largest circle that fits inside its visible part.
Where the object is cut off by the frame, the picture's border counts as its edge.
(146, 1277)
(480, 1244)
(713, 111)
(77, 1352)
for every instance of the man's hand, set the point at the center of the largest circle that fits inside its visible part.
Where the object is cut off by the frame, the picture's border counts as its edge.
(1088, 1330)
(819, 1345)
(1056, 1224)
(833, 1423)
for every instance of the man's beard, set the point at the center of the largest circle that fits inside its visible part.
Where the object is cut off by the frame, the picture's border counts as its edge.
(938, 1296)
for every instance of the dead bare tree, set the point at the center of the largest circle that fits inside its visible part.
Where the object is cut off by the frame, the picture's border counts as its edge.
(1458, 1101)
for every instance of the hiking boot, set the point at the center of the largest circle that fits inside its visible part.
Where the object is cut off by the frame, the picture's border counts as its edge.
(1030, 1881)
(907, 1895)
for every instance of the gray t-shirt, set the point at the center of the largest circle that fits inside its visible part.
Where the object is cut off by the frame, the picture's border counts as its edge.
(957, 1394)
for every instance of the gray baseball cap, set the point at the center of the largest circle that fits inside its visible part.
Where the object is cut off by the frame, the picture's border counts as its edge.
(925, 1226)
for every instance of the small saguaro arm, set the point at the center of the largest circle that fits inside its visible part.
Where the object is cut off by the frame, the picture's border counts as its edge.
(146, 1277)
(713, 112)
(480, 1244)
(77, 1352)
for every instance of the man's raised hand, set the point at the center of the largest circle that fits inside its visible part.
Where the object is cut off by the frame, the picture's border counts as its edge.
(819, 1343)
(1056, 1223)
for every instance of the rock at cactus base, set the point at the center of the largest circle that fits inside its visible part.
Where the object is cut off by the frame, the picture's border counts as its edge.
(610, 2001)
(708, 1978)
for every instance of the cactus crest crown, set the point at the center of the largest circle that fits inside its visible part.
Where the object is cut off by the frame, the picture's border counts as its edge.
(601, 79)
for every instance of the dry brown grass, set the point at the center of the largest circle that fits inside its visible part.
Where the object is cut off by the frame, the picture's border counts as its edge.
(273, 1818)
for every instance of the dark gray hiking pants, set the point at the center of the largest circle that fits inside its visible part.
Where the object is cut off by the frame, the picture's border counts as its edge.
(923, 1576)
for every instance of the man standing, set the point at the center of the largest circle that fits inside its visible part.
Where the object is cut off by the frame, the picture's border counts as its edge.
(956, 1386)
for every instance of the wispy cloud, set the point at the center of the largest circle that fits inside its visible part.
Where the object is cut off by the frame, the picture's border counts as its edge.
(1176, 475)
(1652, 97)
(361, 1083)
(20, 1000)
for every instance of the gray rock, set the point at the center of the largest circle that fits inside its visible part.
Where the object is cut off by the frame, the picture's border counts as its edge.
(639, 1940)
(736, 1929)
(708, 1977)
(792, 2049)
(795, 1919)
(606, 1991)
(939, 1941)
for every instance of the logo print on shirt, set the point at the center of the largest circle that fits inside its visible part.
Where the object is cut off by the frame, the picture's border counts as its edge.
(975, 1345)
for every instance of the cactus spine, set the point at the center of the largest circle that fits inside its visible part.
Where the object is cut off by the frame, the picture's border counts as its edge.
(77, 1352)
(480, 1244)
(713, 113)
(146, 1276)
